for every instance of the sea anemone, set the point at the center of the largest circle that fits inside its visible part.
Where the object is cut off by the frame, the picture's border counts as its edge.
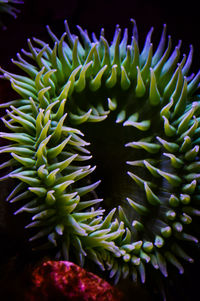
(134, 115)
(7, 7)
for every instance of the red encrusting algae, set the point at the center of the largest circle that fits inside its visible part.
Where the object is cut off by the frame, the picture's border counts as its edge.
(63, 280)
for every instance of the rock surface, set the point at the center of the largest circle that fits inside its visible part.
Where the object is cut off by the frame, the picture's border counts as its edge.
(63, 280)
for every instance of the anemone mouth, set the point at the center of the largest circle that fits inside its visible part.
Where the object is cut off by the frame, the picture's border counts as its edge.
(135, 117)
(112, 157)
(120, 166)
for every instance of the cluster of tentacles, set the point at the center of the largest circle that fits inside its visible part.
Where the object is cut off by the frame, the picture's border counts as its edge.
(148, 102)
(6, 6)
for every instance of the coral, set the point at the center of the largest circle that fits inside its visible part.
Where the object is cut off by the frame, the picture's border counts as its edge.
(139, 111)
(6, 7)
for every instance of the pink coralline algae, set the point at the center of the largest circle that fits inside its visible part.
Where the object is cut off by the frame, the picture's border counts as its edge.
(63, 280)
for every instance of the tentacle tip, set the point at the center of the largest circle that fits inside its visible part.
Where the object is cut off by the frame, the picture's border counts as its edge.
(133, 21)
(66, 24)
(191, 47)
(179, 44)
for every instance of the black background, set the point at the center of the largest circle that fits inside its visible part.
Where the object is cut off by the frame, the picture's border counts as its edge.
(183, 22)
